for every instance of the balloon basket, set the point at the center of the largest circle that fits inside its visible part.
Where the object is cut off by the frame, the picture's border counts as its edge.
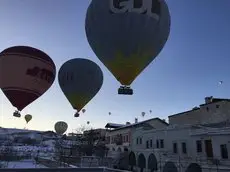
(17, 114)
(76, 114)
(124, 90)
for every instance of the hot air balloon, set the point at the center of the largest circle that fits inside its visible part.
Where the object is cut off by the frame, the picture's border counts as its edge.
(61, 127)
(25, 74)
(150, 111)
(28, 118)
(220, 82)
(83, 110)
(143, 114)
(109, 113)
(80, 80)
(127, 35)
(88, 122)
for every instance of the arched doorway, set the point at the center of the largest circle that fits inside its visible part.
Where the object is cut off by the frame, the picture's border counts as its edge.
(194, 167)
(152, 163)
(132, 160)
(170, 167)
(141, 162)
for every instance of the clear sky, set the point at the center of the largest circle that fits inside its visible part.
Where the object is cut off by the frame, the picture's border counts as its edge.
(195, 58)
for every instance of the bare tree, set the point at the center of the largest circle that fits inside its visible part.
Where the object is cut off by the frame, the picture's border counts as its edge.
(81, 129)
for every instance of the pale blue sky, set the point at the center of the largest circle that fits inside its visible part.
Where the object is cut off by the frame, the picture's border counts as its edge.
(194, 59)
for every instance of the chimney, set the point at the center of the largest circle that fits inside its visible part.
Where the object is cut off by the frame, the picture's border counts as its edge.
(208, 100)
(136, 120)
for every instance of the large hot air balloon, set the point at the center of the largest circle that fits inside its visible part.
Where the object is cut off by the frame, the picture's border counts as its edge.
(127, 35)
(80, 80)
(25, 74)
(61, 127)
(28, 118)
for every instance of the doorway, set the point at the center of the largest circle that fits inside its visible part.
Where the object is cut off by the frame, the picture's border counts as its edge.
(208, 148)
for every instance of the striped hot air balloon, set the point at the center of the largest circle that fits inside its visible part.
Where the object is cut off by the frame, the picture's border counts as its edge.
(26, 73)
(61, 127)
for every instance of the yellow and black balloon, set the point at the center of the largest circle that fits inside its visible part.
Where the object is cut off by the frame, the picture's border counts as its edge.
(127, 37)
(80, 80)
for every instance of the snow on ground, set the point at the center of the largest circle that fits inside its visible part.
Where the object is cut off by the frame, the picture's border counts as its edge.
(24, 164)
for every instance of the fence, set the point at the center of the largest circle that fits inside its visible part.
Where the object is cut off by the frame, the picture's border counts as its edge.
(63, 170)
(166, 164)
(185, 165)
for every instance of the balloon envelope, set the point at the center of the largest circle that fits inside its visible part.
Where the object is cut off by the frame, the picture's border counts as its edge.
(25, 74)
(61, 127)
(127, 40)
(143, 113)
(80, 80)
(28, 118)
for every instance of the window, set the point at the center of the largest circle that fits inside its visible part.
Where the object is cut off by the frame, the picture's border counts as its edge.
(175, 148)
(108, 140)
(162, 143)
(127, 138)
(157, 143)
(137, 141)
(151, 143)
(184, 148)
(147, 144)
(198, 146)
(140, 140)
(217, 106)
(224, 151)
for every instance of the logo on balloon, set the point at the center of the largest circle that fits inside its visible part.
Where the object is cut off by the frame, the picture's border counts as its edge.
(138, 6)
(43, 74)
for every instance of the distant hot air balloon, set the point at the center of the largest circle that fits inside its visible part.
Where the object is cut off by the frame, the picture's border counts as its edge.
(143, 114)
(28, 118)
(109, 113)
(61, 127)
(88, 122)
(25, 74)
(127, 36)
(150, 111)
(83, 110)
(220, 82)
(80, 80)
